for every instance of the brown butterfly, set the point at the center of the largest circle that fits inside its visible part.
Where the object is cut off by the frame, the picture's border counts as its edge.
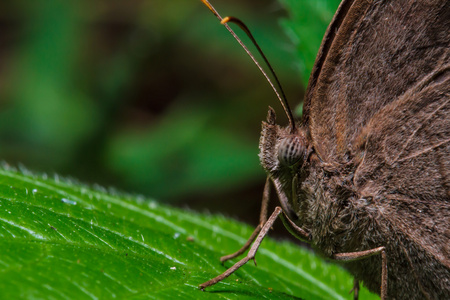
(365, 176)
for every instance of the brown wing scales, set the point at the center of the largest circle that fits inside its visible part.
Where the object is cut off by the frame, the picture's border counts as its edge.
(406, 168)
(379, 98)
(376, 55)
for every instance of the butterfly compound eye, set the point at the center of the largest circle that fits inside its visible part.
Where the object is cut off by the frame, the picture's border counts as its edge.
(291, 150)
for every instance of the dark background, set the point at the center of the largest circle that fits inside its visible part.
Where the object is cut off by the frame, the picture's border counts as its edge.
(151, 97)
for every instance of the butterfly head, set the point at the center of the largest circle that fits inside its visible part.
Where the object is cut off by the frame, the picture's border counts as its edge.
(281, 148)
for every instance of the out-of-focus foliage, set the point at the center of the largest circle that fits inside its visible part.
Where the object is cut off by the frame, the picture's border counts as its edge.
(306, 25)
(149, 96)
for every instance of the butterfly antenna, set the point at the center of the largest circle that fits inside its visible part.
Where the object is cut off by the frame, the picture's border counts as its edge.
(241, 24)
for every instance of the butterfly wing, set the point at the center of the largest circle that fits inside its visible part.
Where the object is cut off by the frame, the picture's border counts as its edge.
(405, 168)
(372, 53)
(379, 98)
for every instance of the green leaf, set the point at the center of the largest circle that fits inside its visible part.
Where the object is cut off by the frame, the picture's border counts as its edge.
(64, 240)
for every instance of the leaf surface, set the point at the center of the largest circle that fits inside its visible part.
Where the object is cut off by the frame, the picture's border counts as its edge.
(64, 240)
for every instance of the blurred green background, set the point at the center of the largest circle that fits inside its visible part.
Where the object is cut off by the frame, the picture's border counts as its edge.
(150, 96)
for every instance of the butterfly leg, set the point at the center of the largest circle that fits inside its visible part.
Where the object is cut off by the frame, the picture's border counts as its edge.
(262, 221)
(293, 229)
(350, 256)
(250, 254)
(355, 289)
